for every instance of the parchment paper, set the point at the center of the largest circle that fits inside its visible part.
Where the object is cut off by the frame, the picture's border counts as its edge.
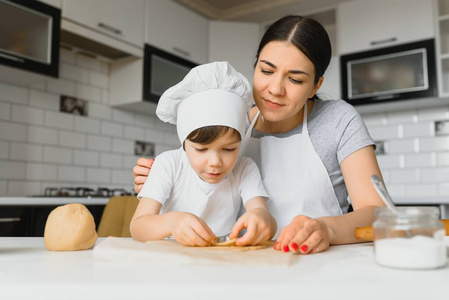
(170, 252)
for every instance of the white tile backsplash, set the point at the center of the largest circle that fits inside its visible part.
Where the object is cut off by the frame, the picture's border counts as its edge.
(28, 115)
(87, 125)
(12, 170)
(86, 158)
(20, 188)
(137, 133)
(41, 135)
(5, 111)
(59, 120)
(110, 160)
(57, 155)
(95, 142)
(99, 111)
(12, 93)
(26, 152)
(72, 139)
(13, 132)
(123, 146)
(87, 92)
(66, 173)
(44, 100)
(416, 162)
(41, 172)
(419, 130)
(74, 73)
(100, 176)
(4, 150)
(111, 129)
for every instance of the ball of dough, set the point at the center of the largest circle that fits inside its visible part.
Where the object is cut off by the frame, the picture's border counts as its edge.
(70, 227)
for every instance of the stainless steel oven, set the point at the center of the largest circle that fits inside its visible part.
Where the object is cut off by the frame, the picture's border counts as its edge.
(161, 71)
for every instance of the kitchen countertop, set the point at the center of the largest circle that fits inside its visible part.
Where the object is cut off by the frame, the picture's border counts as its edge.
(29, 271)
(53, 200)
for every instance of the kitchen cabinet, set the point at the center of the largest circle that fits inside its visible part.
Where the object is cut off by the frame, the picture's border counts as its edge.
(443, 47)
(185, 35)
(29, 47)
(365, 25)
(241, 52)
(30, 220)
(122, 20)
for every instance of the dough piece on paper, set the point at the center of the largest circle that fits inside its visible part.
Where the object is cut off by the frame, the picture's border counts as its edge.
(227, 243)
(70, 227)
(233, 247)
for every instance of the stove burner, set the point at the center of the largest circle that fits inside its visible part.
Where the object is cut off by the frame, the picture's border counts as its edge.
(84, 192)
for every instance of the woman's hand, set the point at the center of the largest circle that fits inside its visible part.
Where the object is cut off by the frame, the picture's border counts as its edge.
(304, 235)
(141, 171)
(189, 230)
(260, 226)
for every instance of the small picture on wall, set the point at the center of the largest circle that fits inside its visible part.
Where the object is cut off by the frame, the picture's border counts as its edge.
(442, 127)
(143, 149)
(73, 105)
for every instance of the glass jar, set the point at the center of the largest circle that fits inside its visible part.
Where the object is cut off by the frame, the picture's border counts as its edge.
(412, 239)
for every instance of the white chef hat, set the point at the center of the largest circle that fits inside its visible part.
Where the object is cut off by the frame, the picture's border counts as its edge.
(210, 94)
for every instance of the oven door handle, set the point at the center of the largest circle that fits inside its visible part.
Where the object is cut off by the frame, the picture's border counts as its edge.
(9, 220)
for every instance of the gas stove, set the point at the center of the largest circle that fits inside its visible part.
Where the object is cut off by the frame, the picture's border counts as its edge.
(83, 192)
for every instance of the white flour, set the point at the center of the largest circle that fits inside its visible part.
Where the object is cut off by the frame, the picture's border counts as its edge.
(419, 252)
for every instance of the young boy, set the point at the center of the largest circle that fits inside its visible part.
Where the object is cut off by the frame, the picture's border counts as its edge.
(194, 193)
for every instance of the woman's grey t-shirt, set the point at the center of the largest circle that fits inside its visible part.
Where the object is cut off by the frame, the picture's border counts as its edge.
(336, 130)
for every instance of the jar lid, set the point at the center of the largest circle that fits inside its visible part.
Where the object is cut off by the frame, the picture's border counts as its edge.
(408, 211)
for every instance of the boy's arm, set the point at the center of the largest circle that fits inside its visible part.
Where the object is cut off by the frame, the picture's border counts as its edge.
(147, 224)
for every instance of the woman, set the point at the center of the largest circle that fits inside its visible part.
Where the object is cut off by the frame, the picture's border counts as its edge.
(312, 153)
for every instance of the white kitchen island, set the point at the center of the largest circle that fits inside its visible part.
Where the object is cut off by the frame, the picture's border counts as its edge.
(29, 271)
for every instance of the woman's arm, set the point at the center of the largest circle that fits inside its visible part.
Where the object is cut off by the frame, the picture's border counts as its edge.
(186, 228)
(140, 172)
(357, 170)
(315, 235)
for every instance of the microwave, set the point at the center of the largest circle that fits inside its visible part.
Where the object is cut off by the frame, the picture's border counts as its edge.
(406, 71)
(29, 36)
(161, 71)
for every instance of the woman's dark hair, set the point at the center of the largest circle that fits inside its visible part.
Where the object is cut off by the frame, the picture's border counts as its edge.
(307, 35)
(208, 134)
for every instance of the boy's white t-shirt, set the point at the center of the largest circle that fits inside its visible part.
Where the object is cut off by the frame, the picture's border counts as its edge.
(174, 184)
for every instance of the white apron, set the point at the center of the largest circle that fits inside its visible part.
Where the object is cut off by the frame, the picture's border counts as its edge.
(293, 174)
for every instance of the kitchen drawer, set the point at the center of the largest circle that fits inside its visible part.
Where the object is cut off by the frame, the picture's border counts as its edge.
(15, 221)
(29, 221)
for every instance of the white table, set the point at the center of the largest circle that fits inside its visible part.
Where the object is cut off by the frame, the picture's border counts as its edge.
(28, 271)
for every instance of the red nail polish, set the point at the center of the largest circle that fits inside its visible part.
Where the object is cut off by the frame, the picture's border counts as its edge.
(286, 248)
(304, 248)
(277, 243)
(295, 246)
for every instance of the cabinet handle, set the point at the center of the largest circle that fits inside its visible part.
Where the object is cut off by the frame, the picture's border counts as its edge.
(110, 28)
(7, 220)
(390, 40)
(10, 57)
(179, 50)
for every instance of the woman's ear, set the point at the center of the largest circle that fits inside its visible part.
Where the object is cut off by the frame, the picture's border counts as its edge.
(317, 87)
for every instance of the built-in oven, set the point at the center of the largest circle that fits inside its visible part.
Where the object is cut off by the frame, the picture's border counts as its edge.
(29, 36)
(162, 70)
(406, 71)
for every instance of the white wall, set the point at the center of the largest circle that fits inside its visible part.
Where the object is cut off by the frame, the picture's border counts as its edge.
(42, 147)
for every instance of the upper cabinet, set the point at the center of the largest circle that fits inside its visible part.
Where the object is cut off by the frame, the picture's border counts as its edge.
(122, 20)
(365, 24)
(443, 47)
(177, 30)
(29, 41)
(241, 53)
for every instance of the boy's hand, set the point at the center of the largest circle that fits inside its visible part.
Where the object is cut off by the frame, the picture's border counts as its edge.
(189, 230)
(260, 226)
